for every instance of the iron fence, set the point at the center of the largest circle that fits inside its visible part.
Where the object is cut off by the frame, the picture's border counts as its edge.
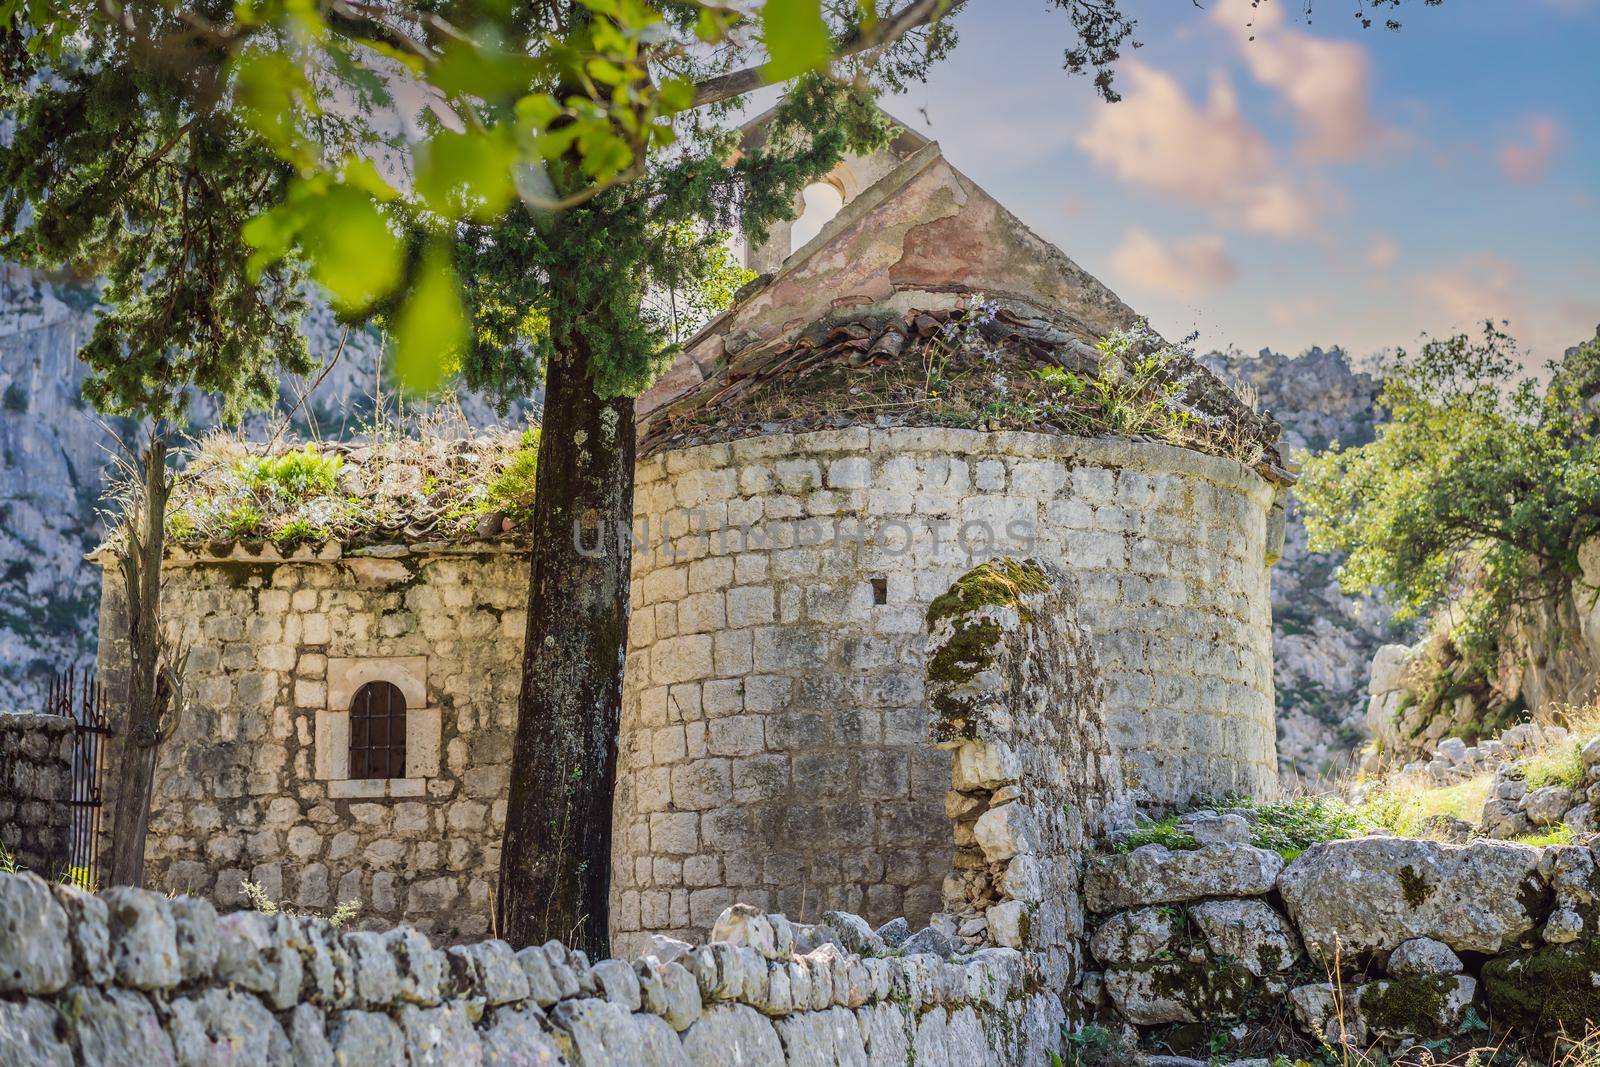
(80, 696)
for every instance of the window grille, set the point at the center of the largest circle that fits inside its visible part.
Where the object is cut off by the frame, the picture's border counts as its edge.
(378, 732)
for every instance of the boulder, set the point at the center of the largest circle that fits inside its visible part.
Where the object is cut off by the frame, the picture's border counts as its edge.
(1180, 991)
(1423, 956)
(1553, 988)
(1370, 894)
(1431, 1006)
(1133, 937)
(1155, 874)
(1210, 828)
(1546, 805)
(1249, 932)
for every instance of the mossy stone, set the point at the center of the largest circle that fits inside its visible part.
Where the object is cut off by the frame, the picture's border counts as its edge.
(1547, 989)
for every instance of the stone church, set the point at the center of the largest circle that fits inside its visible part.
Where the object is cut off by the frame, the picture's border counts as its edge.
(911, 386)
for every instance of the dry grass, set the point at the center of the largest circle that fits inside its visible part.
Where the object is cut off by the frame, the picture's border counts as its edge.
(1404, 803)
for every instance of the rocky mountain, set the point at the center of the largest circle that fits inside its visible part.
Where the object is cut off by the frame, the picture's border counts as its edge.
(56, 458)
(1323, 639)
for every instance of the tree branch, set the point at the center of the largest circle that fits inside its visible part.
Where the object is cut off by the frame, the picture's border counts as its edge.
(884, 32)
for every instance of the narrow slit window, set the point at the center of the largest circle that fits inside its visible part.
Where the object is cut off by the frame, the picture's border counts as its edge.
(378, 732)
(880, 590)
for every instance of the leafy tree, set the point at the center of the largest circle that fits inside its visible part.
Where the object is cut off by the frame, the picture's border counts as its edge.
(135, 173)
(582, 157)
(1479, 490)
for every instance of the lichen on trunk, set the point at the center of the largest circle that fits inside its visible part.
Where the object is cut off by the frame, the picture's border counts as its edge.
(556, 860)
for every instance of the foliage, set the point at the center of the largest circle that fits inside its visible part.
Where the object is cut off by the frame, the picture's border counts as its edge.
(1287, 827)
(138, 172)
(1479, 489)
(1560, 764)
(1091, 1046)
(262, 901)
(231, 491)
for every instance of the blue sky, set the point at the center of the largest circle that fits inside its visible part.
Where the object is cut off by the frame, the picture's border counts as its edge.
(1320, 184)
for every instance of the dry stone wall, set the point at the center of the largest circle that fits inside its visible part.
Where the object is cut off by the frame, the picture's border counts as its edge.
(774, 731)
(255, 783)
(1375, 942)
(36, 790)
(131, 977)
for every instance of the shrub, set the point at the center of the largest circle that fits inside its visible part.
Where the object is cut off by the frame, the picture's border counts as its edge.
(262, 901)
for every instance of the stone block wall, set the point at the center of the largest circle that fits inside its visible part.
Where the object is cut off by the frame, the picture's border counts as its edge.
(131, 977)
(255, 783)
(1373, 942)
(36, 790)
(774, 693)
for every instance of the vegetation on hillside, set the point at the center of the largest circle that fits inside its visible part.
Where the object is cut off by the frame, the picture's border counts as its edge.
(1476, 495)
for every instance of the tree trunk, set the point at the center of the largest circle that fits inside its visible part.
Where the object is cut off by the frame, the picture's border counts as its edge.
(141, 727)
(555, 865)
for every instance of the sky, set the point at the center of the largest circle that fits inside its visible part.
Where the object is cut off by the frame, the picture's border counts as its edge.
(1269, 181)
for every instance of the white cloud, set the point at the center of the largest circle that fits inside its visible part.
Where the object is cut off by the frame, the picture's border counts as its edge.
(1486, 286)
(1204, 153)
(1185, 268)
(1525, 157)
(1382, 252)
(1326, 83)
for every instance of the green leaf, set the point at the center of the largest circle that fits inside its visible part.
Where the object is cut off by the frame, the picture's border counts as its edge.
(484, 68)
(354, 254)
(796, 38)
(677, 94)
(430, 334)
(467, 174)
(537, 111)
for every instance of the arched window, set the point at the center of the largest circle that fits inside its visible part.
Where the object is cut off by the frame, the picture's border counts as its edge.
(378, 732)
(823, 201)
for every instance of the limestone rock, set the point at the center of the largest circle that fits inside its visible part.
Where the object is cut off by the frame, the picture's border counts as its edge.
(194, 923)
(89, 922)
(1210, 828)
(1428, 1007)
(1133, 937)
(28, 1029)
(930, 941)
(255, 955)
(1179, 991)
(1423, 956)
(1154, 874)
(618, 983)
(35, 955)
(659, 1045)
(1552, 988)
(222, 1026)
(732, 1035)
(1545, 806)
(117, 1028)
(1370, 894)
(488, 969)
(144, 939)
(365, 1039)
(514, 1038)
(741, 924)
(1248, 931)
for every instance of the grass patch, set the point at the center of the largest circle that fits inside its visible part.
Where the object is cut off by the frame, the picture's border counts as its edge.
(1559, 834)
(1405, 807)
(1287, 827)
(1561, 764)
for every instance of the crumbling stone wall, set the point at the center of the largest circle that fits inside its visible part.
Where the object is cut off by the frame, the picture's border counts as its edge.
(251, 786)
(1016, 698)
(774, 728)
(132, 977)
(36, 790)
(1374, 941)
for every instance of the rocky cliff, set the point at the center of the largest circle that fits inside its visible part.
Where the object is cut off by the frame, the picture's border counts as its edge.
(1323, 640)
(55, 455)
